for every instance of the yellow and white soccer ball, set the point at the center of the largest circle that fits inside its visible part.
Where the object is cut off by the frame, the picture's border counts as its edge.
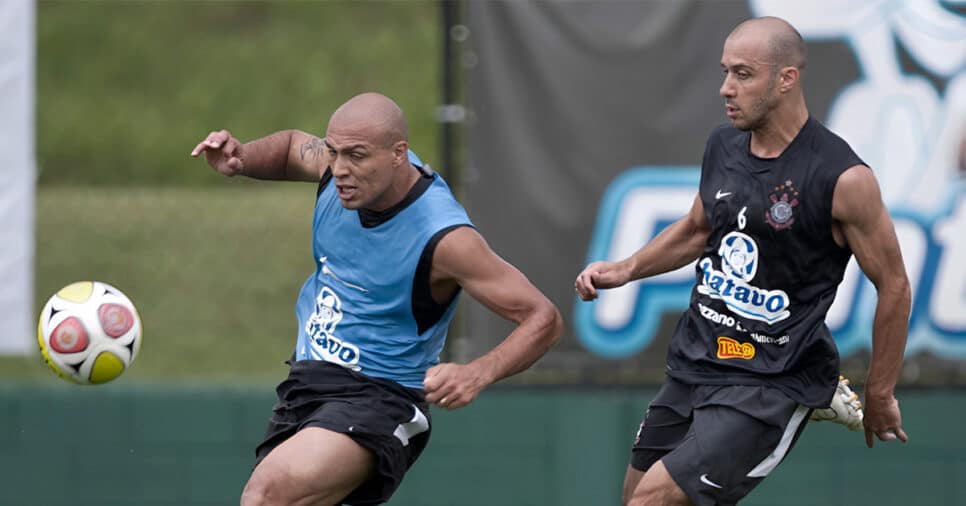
(89, 332)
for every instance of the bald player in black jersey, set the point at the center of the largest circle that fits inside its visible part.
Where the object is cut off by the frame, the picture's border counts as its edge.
(782, 206)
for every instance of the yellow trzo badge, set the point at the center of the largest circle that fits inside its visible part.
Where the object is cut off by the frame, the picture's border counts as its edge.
(729, 348)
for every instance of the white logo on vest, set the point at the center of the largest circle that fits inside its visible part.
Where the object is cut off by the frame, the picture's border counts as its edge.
(739, 264)
(321, 330)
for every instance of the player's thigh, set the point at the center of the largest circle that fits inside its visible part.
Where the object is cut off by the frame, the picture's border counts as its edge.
(657, 488)
(654, 486)
(314, 466)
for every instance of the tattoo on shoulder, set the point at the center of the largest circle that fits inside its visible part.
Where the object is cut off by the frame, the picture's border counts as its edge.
(313, 148)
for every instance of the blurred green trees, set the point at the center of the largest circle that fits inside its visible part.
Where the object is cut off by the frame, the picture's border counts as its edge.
(125, 89)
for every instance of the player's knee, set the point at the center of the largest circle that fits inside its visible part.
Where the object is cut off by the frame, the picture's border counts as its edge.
(255, 493)
(265, 489)
(276, 487)
(251, 498)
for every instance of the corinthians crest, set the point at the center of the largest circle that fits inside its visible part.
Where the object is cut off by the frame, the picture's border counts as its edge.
(784, 199)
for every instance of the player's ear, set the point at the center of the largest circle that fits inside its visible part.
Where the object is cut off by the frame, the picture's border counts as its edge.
(400, 152)
(788, 77)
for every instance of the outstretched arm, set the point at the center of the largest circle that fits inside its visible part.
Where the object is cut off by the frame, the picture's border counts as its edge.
(867, 228)
(464, 257)
(676, 246)
(289, 155)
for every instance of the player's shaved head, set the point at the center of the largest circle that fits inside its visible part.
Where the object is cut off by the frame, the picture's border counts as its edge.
(785, 46)
(375, 114)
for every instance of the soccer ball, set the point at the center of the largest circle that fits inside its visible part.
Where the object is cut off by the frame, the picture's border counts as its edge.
(89, 332)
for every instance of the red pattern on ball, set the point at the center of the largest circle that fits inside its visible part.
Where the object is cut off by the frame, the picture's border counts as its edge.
(69, 336)
(115, 319)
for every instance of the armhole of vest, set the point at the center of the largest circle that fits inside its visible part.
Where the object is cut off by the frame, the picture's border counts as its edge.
(323, 182)
(426, 311)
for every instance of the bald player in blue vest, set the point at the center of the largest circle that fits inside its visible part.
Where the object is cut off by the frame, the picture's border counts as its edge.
(782, 206)
(393, 249)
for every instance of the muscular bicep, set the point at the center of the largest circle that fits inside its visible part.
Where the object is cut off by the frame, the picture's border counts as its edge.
(464, 258)
(865, 223)
(307, 157)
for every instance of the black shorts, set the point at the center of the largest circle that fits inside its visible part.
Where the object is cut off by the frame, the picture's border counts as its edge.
(718, 442)
(388, 419)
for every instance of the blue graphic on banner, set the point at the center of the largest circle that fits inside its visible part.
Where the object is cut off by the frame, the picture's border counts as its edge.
(644, 200)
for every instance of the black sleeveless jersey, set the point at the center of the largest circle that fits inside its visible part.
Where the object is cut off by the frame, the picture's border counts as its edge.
(770, 269)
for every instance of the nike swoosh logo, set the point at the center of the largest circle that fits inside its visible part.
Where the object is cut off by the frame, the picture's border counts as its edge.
(721, 194)
(706, 481)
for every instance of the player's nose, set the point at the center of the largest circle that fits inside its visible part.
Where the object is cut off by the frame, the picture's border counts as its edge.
(727, 89)
(339, 168)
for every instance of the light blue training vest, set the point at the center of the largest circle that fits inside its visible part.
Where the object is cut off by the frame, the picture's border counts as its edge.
(356, 310)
